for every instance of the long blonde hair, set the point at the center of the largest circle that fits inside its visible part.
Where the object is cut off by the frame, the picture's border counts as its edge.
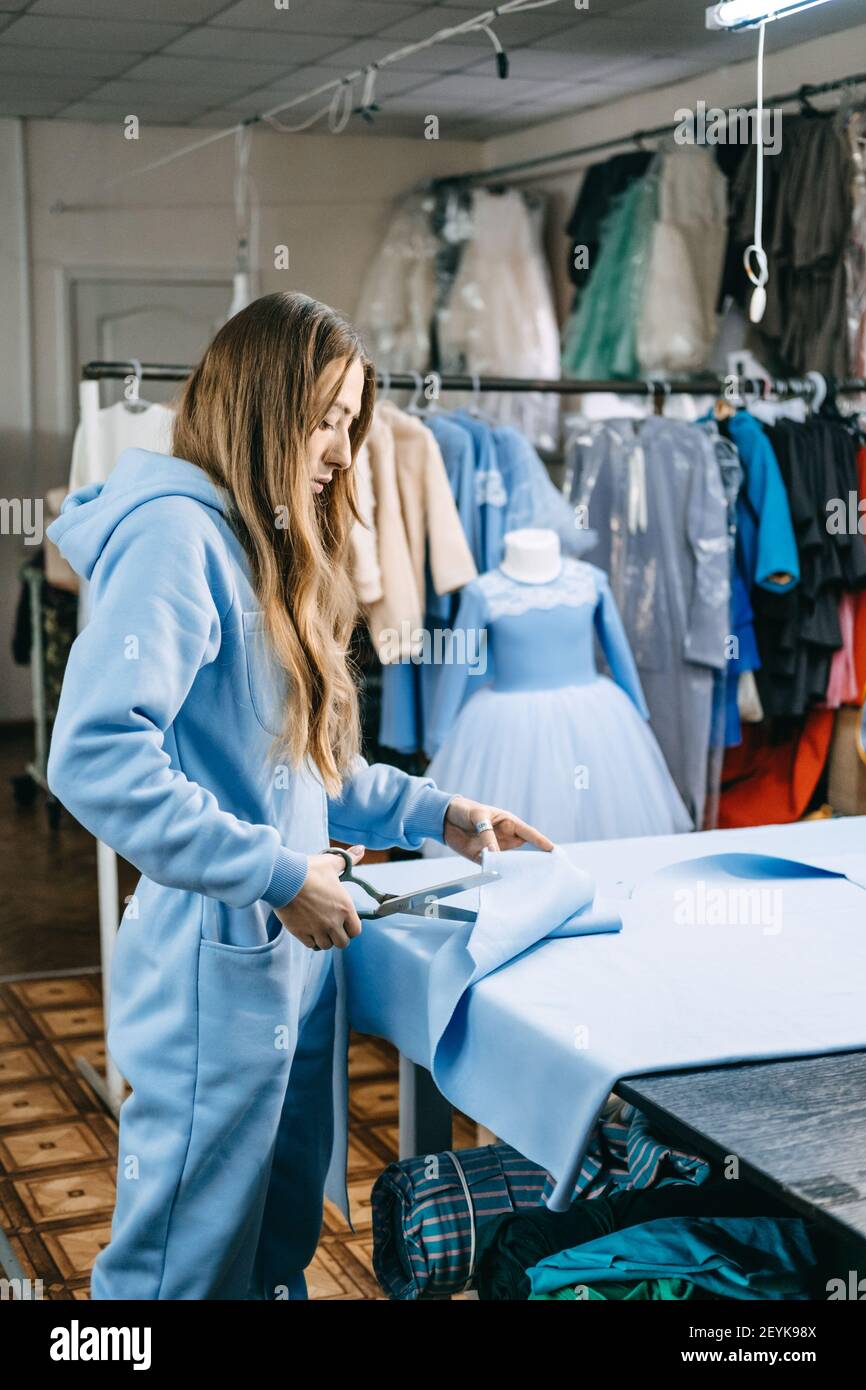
(245, 417)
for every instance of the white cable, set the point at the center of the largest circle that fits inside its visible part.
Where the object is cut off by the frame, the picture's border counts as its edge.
(468, 26)
(341, 107)
(758, 303)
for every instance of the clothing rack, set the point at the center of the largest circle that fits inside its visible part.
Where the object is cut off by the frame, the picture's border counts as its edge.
(804, 388)
(520, 166)
(812, 387)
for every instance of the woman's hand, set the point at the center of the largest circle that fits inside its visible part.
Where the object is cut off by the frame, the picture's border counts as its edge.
(322, 914)
(508, 831)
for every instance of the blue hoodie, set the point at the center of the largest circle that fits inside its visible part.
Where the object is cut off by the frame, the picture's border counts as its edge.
(163, 742)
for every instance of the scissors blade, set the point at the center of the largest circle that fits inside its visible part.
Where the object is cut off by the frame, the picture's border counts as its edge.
(424, 900)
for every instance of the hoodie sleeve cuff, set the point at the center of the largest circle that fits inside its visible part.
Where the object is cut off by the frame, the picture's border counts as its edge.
(426, 817)
(287, 879)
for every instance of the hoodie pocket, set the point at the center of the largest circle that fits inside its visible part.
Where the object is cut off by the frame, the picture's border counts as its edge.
(267, 681)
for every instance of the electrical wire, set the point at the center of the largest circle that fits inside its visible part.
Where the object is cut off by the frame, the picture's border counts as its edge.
(334, 110)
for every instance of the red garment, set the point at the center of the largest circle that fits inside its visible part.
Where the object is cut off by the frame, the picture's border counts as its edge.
(860, 601)
(767, 784)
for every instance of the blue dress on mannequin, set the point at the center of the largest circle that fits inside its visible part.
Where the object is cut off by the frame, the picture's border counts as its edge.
(523, 718)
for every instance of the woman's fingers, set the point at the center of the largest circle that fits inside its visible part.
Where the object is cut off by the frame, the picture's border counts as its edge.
(530, 834)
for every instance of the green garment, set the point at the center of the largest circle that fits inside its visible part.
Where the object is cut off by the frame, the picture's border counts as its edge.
(600, 338)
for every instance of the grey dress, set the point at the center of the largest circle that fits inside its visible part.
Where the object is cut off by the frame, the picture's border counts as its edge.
(652, 490)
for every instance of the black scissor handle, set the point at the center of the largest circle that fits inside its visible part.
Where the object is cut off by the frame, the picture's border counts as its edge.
(348, 875)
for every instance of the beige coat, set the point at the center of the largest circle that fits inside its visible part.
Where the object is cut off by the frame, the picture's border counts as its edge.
(430, 517)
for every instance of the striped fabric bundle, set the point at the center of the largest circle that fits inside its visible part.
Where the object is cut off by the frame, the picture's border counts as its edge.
(426, 1212)
(624, 1153)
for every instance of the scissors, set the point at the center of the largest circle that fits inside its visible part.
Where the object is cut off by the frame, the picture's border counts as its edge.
(424, 902)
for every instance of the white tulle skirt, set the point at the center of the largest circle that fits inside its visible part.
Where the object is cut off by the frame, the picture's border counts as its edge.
(577, 762)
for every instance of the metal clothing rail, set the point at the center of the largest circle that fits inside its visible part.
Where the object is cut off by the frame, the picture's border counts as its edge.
(704, 385)
(814, 387)
(520, 166)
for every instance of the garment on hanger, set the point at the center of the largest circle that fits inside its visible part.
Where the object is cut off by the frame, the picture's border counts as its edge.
(398, 610)
(601, 185)
(600, 337)
(395, 305)
(855, 255)
(500, 318)
(799, 629)
(523, 719)
(678, 325)
(765, 553)
(807, 220)
(511, 490)
(430, 517)
(118, 427)
(363, 541)
(670, 578)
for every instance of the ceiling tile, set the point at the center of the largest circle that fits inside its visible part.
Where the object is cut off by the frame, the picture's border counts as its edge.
(46, 61)
(133, 94)
(56, 89)
(34, 107)
(133, 37)
(510, 28)
(157, 113)
(489, 90)
(235, 76)
(450, 56)
(346, 18)
(175, 11)
(251, 45)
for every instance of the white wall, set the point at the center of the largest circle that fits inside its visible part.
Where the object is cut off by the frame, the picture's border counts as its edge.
(17, 472)
(327, 198)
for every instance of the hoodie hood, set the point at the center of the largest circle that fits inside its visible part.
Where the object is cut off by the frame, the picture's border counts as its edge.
(89, 516)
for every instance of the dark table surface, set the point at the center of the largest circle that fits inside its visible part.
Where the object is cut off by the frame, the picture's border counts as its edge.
(798, 1127)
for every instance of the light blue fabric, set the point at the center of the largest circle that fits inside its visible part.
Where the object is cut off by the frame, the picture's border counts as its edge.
(732, 1257)
(491, 492)
(528, 722)
(456, 445)
(163, 748)
(532, 498)
(535, 1046)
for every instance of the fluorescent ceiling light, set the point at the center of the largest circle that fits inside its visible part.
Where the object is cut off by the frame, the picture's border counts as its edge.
(745, 14)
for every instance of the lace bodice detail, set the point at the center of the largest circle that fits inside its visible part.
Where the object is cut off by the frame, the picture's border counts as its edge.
(573, 587)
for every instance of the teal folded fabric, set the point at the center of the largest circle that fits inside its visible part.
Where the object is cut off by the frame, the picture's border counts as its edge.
(744, 1258)
(644, 1291)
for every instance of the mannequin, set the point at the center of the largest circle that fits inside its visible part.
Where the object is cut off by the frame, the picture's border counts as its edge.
(532, 556)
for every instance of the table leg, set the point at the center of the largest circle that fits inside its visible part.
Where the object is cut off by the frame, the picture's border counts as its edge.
(425, 1114)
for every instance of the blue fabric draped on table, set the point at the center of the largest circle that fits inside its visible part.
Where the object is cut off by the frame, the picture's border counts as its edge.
(726, 955)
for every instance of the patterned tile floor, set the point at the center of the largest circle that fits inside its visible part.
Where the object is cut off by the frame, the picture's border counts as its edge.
(58, 1145)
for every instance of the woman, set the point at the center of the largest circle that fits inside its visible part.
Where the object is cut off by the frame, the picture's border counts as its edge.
(208, 731)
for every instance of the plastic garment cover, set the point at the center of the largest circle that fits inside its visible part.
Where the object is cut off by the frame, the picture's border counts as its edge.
(678, 319)
(600, 337)
(396, 301)
(500, 318)
(855, 256)
(653, 492)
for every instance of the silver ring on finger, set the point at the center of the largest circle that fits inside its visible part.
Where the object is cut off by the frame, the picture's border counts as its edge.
(482, 825)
